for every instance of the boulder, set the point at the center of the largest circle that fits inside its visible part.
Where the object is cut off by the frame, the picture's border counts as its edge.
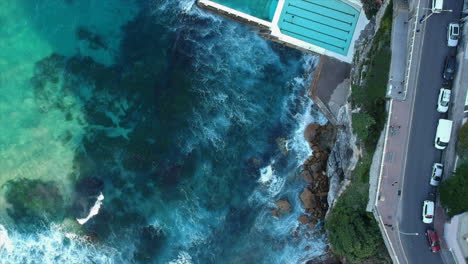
(311, 132)
(275, 212)
(284, 206)
(304, 219)
(308, 199)
(307, 177)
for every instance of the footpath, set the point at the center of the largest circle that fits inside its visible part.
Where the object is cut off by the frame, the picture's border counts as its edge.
(396, 133)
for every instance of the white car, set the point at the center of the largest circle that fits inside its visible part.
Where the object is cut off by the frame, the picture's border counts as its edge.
(428, 212)
(442, 138)
(436, 176)
(453, 34)
(444, 100)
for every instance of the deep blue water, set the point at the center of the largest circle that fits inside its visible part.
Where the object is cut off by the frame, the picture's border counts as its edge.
(176, 115)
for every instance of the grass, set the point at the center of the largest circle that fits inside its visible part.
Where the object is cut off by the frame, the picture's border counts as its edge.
(349, 224)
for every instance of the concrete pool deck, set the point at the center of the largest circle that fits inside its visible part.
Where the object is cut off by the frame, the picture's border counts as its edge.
(323, 27)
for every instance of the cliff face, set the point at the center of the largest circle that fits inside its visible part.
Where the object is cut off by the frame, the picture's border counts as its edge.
(343, 157)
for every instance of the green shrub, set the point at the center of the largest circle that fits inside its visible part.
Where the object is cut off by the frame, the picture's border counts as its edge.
(462, 141)
(34, 201)
(361, 124)
(454, 192)
(370, 8)
(353, 233)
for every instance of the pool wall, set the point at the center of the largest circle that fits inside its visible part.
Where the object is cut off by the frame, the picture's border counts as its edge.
(234, 14)
(271, 30)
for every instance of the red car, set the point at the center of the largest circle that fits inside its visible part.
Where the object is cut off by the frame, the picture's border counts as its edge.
(433, 240)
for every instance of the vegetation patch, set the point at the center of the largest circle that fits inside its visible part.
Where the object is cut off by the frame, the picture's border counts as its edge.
(462, 141)
(370, 97)
(370, 8)
(353, 232)
(454, 192)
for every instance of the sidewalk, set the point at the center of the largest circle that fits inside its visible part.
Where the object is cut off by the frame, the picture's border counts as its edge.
(398, 126)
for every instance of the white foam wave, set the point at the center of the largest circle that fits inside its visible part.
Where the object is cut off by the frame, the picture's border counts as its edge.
(56, 246)
(5, 242)
(94, 210)
(270, 180)
(182, 258)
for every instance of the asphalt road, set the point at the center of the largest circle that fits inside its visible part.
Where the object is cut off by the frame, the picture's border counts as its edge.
(421, 152)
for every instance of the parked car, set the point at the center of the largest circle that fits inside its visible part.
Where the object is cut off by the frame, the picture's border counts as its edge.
(453, 34)
(433, 240)
(436, 176)
(428, 212)
(449, 68)
(447, 84)
(444, 100)
(442, 138)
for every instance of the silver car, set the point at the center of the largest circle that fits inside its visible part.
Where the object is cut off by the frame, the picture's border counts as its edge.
(436, 176)
(453, 34)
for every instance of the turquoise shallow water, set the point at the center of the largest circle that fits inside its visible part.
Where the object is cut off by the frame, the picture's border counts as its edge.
(175, 115)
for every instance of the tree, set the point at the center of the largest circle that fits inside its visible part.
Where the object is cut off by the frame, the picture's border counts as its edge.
(454, 192)
(353, 233)
(361, 124)
(370, 8)
(462, 141)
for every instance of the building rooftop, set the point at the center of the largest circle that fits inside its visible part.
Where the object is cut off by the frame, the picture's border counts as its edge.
(328, 24)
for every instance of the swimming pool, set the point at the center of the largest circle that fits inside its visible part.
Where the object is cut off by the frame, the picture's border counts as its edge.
(328, 24)
(263, 9)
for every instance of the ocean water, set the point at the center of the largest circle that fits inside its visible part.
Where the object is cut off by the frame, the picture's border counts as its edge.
(189, 124)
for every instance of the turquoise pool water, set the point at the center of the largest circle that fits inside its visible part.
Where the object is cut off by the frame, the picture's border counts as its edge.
(263, 9)
(328, 24)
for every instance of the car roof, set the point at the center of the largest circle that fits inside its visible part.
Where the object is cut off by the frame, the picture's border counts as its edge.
(430, 205)
(446, 95)
(432, 234)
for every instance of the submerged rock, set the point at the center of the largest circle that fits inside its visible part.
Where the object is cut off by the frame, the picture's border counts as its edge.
(151, 240)
(284, 206)
(34, 201)
(275, 212)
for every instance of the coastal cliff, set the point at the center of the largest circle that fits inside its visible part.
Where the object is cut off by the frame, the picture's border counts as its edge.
(343, 157)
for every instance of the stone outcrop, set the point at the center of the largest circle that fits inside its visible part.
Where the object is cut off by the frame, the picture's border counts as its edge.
(314, 196)
(283, 207)
(343, 157)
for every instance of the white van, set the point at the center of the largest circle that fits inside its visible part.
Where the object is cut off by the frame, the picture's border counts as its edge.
(444, 129)
(437, 6)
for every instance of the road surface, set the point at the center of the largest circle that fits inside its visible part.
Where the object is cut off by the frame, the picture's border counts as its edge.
(421, 152)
